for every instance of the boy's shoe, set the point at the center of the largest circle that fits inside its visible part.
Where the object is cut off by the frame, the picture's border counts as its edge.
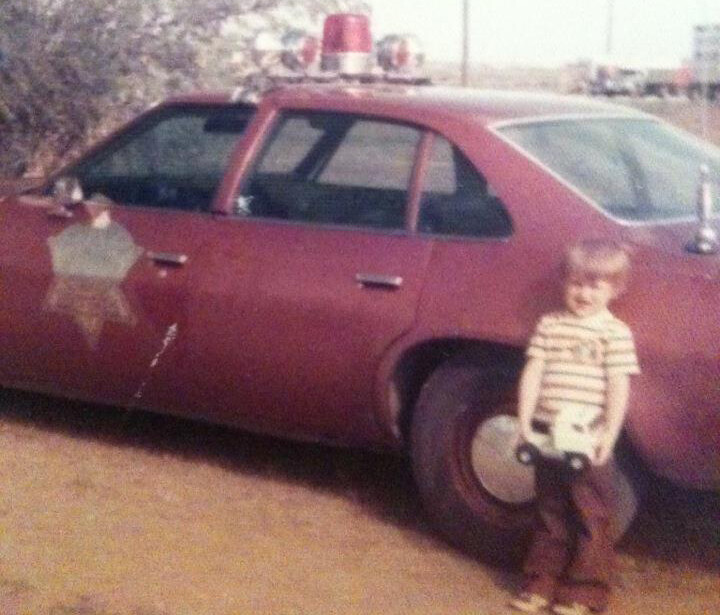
(529, 603)
(571, 609)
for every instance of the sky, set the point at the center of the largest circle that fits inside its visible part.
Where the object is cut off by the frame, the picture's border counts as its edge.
(646, 33)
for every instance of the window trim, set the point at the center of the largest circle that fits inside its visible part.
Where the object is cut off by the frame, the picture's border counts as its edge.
(455, 236)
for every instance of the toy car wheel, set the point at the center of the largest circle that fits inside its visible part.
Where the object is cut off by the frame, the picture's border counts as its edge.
(463, 434)
(527, 453)
(576, 461)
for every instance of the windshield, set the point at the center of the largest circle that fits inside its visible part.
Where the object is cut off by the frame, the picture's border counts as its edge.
(634, 169)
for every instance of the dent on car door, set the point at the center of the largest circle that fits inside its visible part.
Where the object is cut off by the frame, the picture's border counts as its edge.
(99, 290)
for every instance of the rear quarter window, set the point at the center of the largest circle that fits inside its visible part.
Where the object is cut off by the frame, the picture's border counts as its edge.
(457, 200)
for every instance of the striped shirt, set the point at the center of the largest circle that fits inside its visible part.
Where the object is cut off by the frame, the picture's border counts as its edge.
(579, 355)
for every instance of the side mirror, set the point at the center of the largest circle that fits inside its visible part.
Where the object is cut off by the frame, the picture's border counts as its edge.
(67, 193)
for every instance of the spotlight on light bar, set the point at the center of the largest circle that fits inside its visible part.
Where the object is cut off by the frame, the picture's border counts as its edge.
(300, 51)
(400, 53)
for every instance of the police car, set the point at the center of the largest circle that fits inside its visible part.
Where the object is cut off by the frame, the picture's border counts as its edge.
(349, 255)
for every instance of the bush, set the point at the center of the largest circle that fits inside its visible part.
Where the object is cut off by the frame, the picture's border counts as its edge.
(71, 70)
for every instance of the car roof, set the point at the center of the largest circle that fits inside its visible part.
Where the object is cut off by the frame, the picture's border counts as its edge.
(486, 106)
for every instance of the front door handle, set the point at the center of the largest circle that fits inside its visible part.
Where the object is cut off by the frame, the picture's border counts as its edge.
(375, 280)
(167, 258)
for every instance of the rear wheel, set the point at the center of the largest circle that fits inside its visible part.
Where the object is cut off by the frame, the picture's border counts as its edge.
(474, 489)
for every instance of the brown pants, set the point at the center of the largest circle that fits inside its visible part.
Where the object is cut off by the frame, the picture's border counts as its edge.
(571, 553)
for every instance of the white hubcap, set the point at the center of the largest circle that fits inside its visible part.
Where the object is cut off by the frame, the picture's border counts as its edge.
(494, 462)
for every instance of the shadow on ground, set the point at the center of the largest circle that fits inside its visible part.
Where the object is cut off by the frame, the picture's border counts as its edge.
(677, 526)
(380, 483)
(674, 525)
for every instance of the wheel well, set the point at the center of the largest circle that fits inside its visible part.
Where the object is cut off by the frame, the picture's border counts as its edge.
(417, 363)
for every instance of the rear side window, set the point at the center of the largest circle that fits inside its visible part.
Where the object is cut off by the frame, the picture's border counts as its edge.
(330, 168)
(457, 199)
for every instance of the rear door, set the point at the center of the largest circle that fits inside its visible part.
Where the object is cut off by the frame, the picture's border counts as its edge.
(314, 277)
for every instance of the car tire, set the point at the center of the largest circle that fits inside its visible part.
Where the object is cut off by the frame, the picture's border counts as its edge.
(454, 404)
(462, 444)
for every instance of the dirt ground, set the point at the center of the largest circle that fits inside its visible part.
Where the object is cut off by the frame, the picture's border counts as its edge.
(104, 512)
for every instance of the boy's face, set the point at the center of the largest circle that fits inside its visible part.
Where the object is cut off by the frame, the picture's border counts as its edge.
(586, 296)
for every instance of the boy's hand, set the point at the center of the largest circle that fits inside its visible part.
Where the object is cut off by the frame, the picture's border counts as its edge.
(617, 398)
(528, 394)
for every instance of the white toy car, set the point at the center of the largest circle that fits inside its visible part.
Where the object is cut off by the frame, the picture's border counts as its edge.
(573, 438)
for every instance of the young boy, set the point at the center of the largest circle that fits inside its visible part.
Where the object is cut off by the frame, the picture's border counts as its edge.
(578, 361)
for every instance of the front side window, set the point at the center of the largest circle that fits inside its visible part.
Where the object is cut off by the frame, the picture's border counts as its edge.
(639, 170)
(173, 159)
(330, 168)
(457, 199)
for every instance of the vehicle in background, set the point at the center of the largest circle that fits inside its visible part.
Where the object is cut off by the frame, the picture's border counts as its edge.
(666, 81)
(616, 81)
(700, 76)
(705, 63)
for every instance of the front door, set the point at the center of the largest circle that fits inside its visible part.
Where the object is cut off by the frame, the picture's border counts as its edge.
(94, 297)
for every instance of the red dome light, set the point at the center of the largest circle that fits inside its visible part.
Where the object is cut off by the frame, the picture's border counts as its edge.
(347, 43)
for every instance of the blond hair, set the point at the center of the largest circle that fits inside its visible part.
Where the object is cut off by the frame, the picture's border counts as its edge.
(599, 260)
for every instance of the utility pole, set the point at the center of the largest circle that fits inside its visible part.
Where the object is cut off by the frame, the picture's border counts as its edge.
(465, 43)
(609, 29)
(705, 73)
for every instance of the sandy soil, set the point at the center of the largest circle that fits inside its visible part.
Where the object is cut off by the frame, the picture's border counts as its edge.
(104, 512)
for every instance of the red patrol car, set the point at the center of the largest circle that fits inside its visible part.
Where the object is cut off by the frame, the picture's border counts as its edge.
(363, 265)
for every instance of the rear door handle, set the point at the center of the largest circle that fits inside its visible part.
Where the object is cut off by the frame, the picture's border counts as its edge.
(376, 280)
(167, 258)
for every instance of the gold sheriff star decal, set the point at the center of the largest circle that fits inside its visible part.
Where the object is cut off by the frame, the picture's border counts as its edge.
(90, 261)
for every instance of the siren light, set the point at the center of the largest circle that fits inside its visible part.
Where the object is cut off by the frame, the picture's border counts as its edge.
(346, 52)
(346, 44)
